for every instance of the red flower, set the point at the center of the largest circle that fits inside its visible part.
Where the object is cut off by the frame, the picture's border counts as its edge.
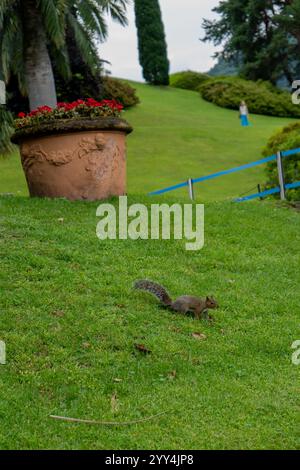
(33, 113)
(44, 109)
(83, 108)
(93, 103)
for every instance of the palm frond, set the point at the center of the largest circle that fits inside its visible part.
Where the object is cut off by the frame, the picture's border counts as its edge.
(10, 34)
(53, 17)
(18, 67)
(84, 42)
(115, 8)
(62, 61)
(6, 7)
(92, 18)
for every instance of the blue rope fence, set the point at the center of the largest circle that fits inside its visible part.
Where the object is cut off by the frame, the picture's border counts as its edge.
(271, 158)
(268, 192)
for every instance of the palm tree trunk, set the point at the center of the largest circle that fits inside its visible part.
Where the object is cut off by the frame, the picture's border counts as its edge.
(38, 68)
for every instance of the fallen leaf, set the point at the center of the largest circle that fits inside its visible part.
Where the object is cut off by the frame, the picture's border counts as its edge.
(117, 380)
(61, 220)
(172, 375)
(199, 336)
(142, 348)
(58, 313)
(114, 402)
(86, 345)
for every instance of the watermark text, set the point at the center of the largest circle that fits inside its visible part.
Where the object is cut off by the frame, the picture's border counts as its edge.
(159, 222)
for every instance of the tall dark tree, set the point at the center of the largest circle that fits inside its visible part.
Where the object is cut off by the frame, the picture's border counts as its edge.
(152, 42)
(263, 34)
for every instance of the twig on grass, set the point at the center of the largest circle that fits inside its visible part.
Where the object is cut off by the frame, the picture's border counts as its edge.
(106, 423)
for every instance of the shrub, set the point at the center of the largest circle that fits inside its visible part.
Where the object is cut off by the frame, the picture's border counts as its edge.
(188, 80)
(261, 97)
(286, 139)
(120, 91)
(79, 85)
(108, 87)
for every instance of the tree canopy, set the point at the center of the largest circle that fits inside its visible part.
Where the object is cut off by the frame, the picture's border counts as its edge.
(32, 30)
(263, 35)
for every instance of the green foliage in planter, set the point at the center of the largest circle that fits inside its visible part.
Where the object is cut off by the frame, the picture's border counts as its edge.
(261, 97)
(188, 80)
(120, 91)
(6, 131)
(286, 139)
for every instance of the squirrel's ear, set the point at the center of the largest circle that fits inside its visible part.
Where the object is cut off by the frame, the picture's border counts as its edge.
(207, 298)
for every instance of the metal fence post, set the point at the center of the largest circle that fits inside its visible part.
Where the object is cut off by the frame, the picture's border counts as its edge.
(281, 176)
(191, 189)
(259, 191)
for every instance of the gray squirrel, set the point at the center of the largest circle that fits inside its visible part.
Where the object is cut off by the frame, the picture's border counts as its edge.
(184, 304)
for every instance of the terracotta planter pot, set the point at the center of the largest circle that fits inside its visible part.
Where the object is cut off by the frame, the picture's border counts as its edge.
(75, 159)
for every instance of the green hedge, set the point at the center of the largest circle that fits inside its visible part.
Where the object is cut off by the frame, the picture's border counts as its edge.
(286, 139)
(261, 97)
(188, 80)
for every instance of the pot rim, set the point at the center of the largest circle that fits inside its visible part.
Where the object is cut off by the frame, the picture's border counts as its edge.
(65, 126)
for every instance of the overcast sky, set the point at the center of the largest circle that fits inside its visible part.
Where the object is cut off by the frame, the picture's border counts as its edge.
(182, 20)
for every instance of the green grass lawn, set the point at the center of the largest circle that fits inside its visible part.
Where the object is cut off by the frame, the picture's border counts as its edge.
(177, 135)
(70, 318)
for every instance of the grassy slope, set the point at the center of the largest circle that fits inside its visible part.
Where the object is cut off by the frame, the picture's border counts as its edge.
(70, 319)
(178, 135)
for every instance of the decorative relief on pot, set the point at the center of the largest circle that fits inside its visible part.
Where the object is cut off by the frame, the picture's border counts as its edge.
(32, 154)
(59, 158)
(101, 155)
(90, 145)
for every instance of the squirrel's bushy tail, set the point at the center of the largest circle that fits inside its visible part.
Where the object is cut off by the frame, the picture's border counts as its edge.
(155, 289)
